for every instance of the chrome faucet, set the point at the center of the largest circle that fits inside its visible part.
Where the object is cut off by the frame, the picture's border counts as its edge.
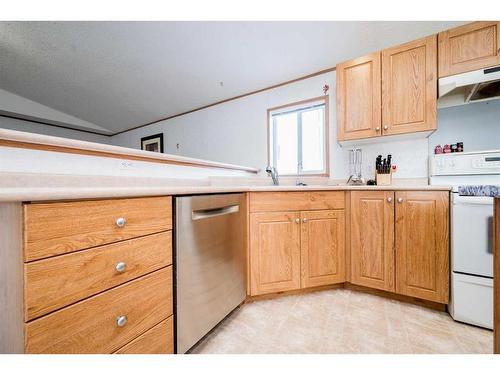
(298, 182)
(274, 174)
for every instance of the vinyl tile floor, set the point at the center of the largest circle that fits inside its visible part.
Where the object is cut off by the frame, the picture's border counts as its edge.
(341, 321)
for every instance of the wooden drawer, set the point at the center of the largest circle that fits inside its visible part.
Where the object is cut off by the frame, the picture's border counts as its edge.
(62, 280)
(91, 326)
(296, 201)
(158, 340)
(58, 228)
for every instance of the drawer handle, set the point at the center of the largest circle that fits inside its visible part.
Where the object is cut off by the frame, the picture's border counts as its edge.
(120, 267)
(400, 200)
(120, 222)
(121, 320)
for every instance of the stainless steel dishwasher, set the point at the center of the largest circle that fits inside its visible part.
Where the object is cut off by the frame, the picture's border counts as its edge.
(210, 263)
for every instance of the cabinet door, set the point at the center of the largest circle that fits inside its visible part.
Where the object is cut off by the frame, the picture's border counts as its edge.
(422, 245)
(274, 252)
(359, 98)
(409, 87)
(372, 239)
(469, 47)
(322, 248)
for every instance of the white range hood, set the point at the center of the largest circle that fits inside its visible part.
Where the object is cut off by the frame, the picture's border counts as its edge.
(470, 87)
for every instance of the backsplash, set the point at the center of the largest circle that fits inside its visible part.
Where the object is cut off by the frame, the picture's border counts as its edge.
(477, 125)
(410, 157)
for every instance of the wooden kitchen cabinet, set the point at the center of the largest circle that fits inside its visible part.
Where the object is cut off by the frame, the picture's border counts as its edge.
(275, 252)
(88, 276)
(422, 244)
(469, 47)
(322, 248)
(301, 246)
(359, 98)
(400, 242)
(372, 239)
(389, 92)
(409, 87)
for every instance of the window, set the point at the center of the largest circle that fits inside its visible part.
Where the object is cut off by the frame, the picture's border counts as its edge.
(298, 137)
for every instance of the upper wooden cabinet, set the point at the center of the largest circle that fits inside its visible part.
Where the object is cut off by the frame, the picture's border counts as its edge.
(422, 244)
(469, 47)
(388, 92)
(372, 239)
(359, 98)
(322, 248)
(409, 89)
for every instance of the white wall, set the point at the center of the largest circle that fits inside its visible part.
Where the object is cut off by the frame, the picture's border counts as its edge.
(477, 125)
(33, 127)
(235, 132)
(23, 160)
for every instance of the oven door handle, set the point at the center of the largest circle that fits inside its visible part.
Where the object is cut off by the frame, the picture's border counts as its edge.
(471, 200)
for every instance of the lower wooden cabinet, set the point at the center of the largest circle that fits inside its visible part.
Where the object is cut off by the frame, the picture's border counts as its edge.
(157, 340)
(274, 252)
(400, 242)
(104, 284)
(322, 248)
(293, 250)
(422, 245)
(105, 322)
(372, 239)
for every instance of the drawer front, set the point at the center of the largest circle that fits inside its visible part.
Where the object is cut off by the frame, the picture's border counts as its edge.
(62, 280)
(296, 201)
(91, 326)
(158, 340)
(58, 228)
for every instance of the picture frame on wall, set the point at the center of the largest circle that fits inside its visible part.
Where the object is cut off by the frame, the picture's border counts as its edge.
(153, 143)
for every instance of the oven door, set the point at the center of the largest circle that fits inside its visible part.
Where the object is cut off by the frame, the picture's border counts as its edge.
(472, 235)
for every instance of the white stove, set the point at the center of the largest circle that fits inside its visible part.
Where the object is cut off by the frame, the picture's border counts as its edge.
(471, 233)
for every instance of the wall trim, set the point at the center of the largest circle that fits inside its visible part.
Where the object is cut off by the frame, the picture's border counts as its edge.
(324, 71)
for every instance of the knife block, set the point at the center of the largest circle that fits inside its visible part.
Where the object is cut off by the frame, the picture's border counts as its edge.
(383, 179)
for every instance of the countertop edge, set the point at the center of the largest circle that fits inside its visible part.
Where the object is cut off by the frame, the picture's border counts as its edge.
(14, 138)
(65, 193)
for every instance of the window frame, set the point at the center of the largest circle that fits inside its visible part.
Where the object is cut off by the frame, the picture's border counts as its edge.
(302, 104)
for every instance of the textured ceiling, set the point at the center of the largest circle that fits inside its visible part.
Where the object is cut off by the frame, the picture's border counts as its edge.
(117, 75)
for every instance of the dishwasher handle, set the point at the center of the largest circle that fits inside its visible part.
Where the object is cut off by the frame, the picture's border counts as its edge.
(213, 212)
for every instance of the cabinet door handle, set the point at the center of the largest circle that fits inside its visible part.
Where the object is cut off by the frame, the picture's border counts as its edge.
(377, 129)
(120, 267)
(121, 320)
(386, 127)
(297, 221)
(389, 199)
(400, 200)
(304, 220)
(120, 222)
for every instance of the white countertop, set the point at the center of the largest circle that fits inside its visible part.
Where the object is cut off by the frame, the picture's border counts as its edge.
(34, 187)
(38, 185)
(23, 139)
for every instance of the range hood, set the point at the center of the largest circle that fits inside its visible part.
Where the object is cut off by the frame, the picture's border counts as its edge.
(470, 87)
